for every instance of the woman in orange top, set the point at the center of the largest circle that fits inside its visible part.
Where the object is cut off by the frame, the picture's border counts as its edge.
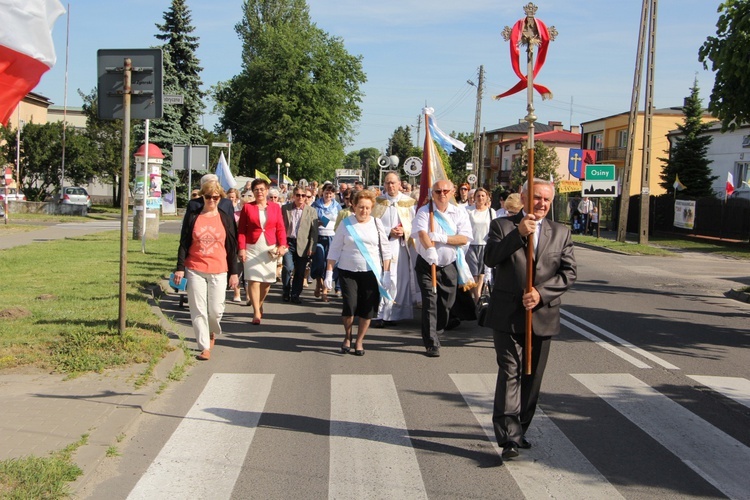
(261, 241)
(207, 254)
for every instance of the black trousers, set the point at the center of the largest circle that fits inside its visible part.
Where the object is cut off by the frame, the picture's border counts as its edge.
(516, 394)
(293, 272)
(436, 306)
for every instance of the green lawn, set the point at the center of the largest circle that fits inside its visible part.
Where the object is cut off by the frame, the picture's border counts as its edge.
(59, 303)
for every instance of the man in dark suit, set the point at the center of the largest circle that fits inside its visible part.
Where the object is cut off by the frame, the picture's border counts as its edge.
(516, 394)
(301, 223)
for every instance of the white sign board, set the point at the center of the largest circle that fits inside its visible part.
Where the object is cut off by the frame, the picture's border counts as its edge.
(471, 179)
(600, 189)
(413, 166)
(684, 213)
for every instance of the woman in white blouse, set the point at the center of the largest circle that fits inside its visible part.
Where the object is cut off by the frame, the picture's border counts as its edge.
(480, 216)
(360, 251)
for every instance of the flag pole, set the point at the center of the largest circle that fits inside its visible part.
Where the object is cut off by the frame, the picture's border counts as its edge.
(529, 35)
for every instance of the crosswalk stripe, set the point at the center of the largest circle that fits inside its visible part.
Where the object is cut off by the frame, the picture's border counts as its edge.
(370, 441)
(554, 467)
(620, 340)
(717, 457)
(204, 455)
(732, 387)
(614, 350)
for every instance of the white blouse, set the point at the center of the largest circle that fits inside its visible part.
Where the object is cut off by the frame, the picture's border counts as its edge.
(345, 251)
(480, 224)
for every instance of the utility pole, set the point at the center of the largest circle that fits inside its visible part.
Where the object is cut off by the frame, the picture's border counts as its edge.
(633, 117)
(647, 121)
(419, 128)
(477, 121)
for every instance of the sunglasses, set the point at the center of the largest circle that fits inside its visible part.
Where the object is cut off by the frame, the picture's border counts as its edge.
(441, 191)
(214, 197)
(299, 195)
(464, 189)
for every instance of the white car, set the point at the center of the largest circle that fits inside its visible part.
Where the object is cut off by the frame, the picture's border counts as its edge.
(13, 195)
(73, 195)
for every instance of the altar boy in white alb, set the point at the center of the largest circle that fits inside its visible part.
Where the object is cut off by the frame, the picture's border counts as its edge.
(396, 211)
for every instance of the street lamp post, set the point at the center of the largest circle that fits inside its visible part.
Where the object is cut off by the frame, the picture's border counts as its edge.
(278, 171)
(287, 170)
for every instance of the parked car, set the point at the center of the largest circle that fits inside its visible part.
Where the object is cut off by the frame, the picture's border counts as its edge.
(13, 195)
(74, 195)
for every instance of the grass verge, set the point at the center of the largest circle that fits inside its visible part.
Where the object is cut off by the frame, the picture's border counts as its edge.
(59, 304)
(35, 477)
(627, 247)
(17, 228)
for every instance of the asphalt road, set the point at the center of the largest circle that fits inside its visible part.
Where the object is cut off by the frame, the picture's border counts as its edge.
(646, 395)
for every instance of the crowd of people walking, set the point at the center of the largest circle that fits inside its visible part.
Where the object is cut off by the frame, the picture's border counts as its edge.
(385, 257)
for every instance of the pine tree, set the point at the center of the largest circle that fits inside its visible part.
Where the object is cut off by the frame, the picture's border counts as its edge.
(179, 47)
(688, 156)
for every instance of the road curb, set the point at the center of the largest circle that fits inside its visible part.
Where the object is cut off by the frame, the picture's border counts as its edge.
(123, 417)
(598, 248)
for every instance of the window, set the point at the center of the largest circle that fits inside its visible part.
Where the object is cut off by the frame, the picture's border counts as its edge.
(507, 147)
(519, 145)
(506, 164)
(497, 151)
(622, 138)
(741, 174)
(595, 141)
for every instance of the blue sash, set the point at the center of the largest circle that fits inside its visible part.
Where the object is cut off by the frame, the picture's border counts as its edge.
(373, 265)
(465, 279)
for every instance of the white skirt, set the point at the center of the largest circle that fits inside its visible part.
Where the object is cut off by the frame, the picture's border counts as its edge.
(260, 265)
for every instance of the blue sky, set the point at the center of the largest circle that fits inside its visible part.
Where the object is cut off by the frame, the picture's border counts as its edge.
(418, 51)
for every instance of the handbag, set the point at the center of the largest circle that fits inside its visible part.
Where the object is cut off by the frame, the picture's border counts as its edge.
(482, 305)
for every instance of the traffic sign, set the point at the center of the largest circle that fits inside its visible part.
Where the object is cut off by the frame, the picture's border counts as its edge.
(174, 99)
(600, 189)
(600, 173)
(146, 83)
(221, 144)
(413, 166)
(195, 156)
(471, 179)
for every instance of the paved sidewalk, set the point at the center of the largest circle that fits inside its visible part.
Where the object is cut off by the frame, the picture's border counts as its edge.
(43, 412)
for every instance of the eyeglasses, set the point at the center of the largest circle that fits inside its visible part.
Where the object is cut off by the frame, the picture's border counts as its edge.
(299, 195)
(274, 197)
(441, 191)
(214, 197)
(464, 189)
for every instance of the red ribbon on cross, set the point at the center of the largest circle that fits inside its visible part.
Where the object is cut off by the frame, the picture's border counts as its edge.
(515, 37)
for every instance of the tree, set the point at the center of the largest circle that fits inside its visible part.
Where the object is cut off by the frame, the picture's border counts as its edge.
(105, 137)
(688, 156)
(727, 52)
(459, 158)
(298, 94)
(546, 162)
(41, 158)
(184, 68)
(400, 144)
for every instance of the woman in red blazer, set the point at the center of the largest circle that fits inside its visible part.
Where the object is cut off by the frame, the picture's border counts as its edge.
(261, 238)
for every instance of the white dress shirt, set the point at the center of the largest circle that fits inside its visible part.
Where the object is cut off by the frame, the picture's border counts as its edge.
(459, 217)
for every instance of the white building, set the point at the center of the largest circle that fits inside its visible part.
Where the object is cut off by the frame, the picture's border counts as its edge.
(729, 152)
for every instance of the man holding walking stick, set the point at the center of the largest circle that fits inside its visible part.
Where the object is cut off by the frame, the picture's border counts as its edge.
(553, 273)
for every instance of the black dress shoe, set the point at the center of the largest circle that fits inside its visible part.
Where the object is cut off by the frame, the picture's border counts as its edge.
(345, 349)
(510, 450)
(296, 300)
(453, 323)
(390, 324)
(433, 352)
(377, 323)
(525, 445)
(359, 352)
(286, 297)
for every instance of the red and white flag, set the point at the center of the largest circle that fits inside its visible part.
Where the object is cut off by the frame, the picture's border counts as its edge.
(730, 184)
(26, 48)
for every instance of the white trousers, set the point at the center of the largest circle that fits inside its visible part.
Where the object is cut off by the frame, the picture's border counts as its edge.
(206, 294)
